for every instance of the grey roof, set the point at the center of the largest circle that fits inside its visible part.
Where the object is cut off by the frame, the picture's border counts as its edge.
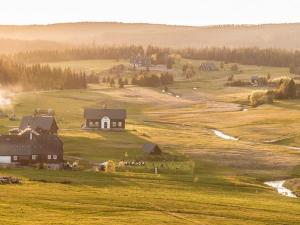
(90, 113)
(150, 148)
(7, 149)
(43, 122)
(22, 145)
(14, 145)
(208, 66)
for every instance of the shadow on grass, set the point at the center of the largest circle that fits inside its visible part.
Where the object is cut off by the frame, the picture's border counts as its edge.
(65, 177)
(288, 104)
(109, 146)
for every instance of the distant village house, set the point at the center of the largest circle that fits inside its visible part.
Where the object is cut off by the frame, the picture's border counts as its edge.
(140, 61)
(208, 67)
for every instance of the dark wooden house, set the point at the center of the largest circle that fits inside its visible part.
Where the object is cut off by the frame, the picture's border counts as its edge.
(30, 147)
(105, 119)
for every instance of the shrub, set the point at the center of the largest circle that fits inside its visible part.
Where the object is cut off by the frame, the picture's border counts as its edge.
(234, 68)
(222, 65)
(261, 97)
(230, 77)
(295, 69)
(286, 89)
(166, 78)
(153, 80)
(238, 83)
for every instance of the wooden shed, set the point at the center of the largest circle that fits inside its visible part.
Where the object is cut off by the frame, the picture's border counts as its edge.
(152, 149)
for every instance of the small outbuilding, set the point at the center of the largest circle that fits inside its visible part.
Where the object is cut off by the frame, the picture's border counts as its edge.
(152, 149)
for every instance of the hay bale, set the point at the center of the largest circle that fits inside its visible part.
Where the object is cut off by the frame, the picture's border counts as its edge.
(261, 97)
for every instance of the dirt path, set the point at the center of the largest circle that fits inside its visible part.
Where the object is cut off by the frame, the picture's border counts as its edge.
(135, 94)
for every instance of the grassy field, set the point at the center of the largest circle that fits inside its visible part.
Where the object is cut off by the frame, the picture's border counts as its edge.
(89, 66)
(202, 178)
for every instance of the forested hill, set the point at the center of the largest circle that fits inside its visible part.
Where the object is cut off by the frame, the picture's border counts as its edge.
(13, 46)
(88, 33)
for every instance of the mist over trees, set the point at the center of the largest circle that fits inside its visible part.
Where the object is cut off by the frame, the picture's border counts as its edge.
(39, 77)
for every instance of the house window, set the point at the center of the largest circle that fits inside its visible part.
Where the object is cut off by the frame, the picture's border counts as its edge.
(15, 158)
(34, 157)
(55, 157)
(49, 156)
(91, 124)
(114, 124)
(97, 124)
(120, 124)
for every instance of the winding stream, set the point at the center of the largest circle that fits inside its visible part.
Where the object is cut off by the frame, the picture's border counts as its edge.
(278, 185)
(224, 136)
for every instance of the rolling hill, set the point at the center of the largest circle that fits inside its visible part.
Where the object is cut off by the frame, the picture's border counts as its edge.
(99, 33)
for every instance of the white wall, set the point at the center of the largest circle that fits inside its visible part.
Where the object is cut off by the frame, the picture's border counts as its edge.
(5, 159)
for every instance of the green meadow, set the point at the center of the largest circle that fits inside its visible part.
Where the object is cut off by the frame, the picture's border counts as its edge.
(89, 66)
(202, 178)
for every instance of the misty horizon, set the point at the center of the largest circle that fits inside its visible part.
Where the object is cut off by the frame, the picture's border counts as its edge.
(187, 13)
(159, 24)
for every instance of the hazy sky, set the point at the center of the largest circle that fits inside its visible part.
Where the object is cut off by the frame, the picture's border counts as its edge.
(186, 12)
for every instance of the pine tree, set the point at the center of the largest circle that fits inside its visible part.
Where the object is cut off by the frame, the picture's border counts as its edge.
(112, 83)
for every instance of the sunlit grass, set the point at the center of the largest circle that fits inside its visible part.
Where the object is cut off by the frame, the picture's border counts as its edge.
(201, 178)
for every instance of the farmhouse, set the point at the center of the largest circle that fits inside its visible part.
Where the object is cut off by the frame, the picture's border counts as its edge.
(105, 119)
(29, 147)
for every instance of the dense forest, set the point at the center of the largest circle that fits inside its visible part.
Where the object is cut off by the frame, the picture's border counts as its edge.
(39, 77)
(250, 56)
(14, 71)
(121, 52)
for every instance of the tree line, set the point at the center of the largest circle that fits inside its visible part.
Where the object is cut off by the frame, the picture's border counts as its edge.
(158, 55)
(153, 79)
(39, 77)
(144, 79)
(250, 56)
(84, 53)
